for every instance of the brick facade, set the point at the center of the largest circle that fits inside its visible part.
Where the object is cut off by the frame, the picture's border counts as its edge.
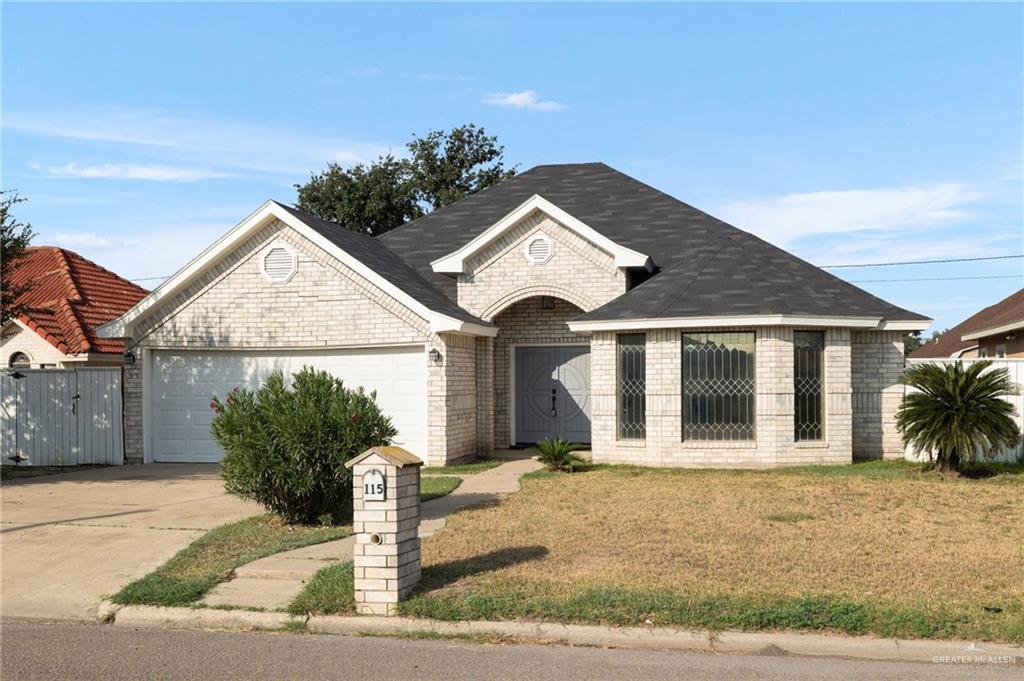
(773, 444)
(469, 388)
(324, 305)
(877, 364)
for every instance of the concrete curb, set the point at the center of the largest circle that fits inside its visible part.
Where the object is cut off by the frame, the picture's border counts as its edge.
(148, 616)
(637, 638)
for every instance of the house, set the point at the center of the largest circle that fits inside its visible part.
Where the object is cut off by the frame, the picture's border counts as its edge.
(570, 300)
(66, 298)
(996, 331)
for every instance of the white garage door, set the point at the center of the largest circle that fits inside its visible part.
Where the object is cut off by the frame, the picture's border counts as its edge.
(184, 382)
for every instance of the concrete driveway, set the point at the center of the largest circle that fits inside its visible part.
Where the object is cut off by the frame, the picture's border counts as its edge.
(67, 541)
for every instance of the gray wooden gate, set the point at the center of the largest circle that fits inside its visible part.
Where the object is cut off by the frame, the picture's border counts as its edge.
(61, 417)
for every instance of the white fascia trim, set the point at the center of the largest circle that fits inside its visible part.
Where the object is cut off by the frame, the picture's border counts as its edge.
(717, 322)
(121, 327)
(454, 263)
(976, 335)
(908, 325)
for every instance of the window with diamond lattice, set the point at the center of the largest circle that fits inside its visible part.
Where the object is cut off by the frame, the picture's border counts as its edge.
(718, 386)
(808, 354)
(632, 386)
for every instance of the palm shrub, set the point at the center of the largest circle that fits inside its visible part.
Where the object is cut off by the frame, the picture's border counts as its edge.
(956, 413)
(558, 454)
(286, 447)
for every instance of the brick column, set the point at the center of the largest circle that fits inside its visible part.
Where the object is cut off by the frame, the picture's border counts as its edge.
(386, 521)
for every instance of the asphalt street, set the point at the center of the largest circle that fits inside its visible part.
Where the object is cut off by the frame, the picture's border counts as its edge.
(31, 650)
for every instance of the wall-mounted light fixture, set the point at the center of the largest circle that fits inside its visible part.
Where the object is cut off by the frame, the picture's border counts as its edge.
(129, 358)
(1011, 336)
(547, 303)
(435, 355)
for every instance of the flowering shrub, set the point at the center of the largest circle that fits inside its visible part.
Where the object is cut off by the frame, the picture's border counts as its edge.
(286, 447)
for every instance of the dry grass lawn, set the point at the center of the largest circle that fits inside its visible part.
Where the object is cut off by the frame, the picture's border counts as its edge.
(912, 554)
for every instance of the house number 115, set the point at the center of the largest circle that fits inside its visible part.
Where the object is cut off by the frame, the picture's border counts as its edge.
(374, 486)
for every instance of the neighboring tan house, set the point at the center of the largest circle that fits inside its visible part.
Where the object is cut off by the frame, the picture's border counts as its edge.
(66, 298)
(996, 331)
(570, 300)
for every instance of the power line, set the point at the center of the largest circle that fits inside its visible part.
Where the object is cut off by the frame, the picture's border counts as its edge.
(880, 281)
(921, 262)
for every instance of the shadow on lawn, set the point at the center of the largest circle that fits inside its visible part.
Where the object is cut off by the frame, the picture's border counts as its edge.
(443, 574)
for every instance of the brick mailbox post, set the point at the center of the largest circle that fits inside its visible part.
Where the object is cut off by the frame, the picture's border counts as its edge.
(386, 521)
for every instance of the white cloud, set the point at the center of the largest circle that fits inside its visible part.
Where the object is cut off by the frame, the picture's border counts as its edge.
(527, 99)
(75, 240)
(130, 171)
(784, 219)
(199, 139)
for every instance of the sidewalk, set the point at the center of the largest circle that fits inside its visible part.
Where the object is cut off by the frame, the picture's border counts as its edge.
(271, 583)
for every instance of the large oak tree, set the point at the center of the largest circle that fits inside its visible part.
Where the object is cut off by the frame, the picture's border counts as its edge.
(442, 167)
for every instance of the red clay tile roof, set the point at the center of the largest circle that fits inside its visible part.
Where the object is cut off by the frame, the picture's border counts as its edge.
(68, 297)
(1006, 311)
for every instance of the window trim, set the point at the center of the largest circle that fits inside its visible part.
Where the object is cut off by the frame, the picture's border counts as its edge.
(618, 389)
(10, 360)
(743, 442)
(822, 392)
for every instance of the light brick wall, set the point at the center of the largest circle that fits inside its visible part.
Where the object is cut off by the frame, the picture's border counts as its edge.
(502, 286)
(774, 440)
(525, 322)
(452, 400)
(325, 305)
(877, 360)
(484, 395)
(19, 339)
(500, 275)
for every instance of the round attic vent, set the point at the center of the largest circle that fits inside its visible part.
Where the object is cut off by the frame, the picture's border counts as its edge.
(278, 264)
(539, 249)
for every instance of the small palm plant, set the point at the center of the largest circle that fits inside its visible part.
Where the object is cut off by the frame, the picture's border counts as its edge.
(956, 414)
(558, 454)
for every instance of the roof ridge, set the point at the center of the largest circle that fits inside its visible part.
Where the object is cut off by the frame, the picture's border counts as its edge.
(73, 324)
(64, 267)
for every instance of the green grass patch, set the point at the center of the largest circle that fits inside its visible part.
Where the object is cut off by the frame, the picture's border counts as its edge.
(433, 488)
(329, 592)
(478, 466)
(625, 607)
(209, 560)
(792, 517)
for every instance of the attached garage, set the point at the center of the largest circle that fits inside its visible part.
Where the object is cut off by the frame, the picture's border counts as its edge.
(183, 383)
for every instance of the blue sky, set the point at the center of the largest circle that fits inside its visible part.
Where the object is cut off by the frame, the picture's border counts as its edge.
(844, 133)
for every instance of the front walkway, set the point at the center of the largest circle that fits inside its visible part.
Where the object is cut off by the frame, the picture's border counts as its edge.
(271, 583)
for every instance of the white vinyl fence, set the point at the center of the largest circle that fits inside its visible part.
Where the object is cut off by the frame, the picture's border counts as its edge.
(61, 417)
(1016, 369)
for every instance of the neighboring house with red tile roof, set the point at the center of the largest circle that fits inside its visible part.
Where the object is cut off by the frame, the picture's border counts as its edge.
(996, 331)
(66, 299)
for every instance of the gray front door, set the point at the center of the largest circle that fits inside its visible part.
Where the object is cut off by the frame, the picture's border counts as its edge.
(552, 393)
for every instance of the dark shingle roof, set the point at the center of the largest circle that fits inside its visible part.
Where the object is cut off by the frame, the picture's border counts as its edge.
(375, 255)
(738, 273)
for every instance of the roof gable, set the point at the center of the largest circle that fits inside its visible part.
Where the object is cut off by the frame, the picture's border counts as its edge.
(68, 297)
(363, 254)
(455, 262)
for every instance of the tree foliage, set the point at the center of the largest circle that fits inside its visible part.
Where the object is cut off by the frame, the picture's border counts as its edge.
(374, 198)
(956, 414)
(15, 237)
(286, 448)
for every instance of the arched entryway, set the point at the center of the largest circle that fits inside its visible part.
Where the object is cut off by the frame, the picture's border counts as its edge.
(541, 373)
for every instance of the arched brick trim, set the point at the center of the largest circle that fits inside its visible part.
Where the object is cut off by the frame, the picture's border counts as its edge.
(512, 297)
